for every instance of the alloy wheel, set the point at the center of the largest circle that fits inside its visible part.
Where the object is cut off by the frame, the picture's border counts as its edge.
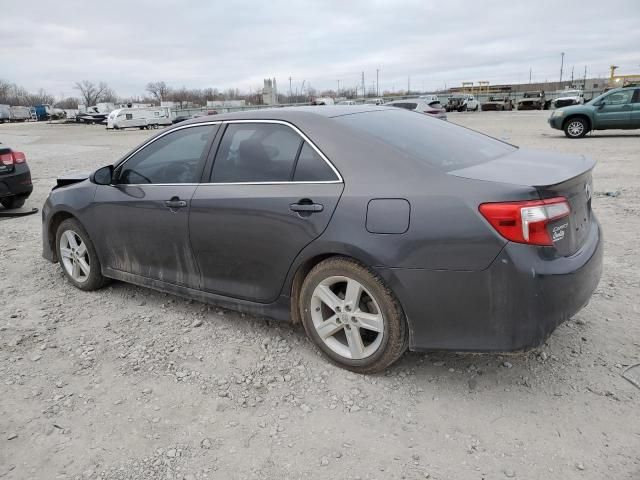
(347, 317)
(74, 256)
(575, 128)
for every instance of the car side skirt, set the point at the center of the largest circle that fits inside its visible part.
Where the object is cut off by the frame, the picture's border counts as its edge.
(278, 310)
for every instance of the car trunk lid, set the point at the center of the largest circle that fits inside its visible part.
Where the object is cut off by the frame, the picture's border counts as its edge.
(552, 175)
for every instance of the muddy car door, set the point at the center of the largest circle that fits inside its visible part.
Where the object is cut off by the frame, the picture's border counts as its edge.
(142, 218)
(271, 193)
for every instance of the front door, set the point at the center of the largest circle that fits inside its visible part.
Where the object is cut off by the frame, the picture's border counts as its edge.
(615, 110)
(143, 217)
(271, 193)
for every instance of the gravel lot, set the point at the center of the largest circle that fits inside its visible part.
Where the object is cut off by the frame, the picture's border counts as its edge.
(130, 383)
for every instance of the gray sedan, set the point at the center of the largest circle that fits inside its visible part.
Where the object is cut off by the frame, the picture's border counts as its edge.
(378, 229)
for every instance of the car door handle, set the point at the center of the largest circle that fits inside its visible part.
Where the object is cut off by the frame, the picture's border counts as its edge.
(175, 202)
(306, 207)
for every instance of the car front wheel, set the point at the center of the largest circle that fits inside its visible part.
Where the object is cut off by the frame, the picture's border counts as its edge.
(352, 317)
(78, 256)
(576, 128)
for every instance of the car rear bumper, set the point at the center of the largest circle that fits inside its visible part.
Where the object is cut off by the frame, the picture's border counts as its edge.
(513, 305)
(17, 182)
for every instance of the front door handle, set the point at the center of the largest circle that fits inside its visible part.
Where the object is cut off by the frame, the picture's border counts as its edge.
(175, 203)
(306, 207)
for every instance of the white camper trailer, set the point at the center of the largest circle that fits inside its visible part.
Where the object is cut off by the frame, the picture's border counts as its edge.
(152, 117)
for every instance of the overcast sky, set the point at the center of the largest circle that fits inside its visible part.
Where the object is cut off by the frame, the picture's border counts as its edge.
(52, 44)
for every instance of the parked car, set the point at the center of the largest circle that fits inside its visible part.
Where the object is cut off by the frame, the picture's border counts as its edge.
(346, 102)
(181, 118)
(497, 103)
(377, 228)
(567, 98)
(616, 109)
(532, 101)
(15, 178)
(5, 113)
(152, 117)
(462, 103)
(429, 106)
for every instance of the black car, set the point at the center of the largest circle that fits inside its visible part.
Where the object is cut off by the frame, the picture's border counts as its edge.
(377, 228)
(15, 178)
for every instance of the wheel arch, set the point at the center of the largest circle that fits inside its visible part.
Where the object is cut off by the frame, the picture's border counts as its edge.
(303, 266)
(52, 229)
(578, 115)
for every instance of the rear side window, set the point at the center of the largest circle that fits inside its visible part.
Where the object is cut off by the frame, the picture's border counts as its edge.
(437, 143)
(407, 106)
(256, 152)
(311, 167)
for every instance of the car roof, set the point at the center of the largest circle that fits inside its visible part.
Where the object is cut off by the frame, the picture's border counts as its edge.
(289, 114)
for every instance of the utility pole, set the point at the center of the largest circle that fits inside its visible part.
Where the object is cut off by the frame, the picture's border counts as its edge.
(561, 67)
(289, 88)
(363, 88)
(377, 83)
(572, 75)
(529, 74)
(338, 91)
(408, 84)
(584, 83)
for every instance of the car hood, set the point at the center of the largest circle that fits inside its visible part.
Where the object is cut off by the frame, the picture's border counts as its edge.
(529, 167)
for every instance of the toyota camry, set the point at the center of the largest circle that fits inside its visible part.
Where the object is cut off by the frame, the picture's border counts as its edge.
(376, 228)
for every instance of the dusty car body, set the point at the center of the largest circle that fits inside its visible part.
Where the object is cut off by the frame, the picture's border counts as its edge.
(381, 229)
(532, 101)
(497, 104)
(616, 109)
(462, 103)
(567, 98)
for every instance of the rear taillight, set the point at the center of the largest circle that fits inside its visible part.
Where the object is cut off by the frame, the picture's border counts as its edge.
(525, 222)
(13, 158)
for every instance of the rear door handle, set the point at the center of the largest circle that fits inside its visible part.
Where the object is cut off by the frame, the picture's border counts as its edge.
(306, 207)
(175, 203)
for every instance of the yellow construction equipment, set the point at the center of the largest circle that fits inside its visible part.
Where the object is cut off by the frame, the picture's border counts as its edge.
(621, 80)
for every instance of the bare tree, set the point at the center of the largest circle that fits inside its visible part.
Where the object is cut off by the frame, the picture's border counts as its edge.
(92, 94)
(158, 90)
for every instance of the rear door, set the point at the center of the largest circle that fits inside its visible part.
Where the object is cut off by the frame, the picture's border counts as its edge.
(271, 193)
(142, 219)
(615, 111)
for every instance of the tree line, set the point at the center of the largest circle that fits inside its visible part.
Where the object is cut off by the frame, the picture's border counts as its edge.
(91, 93)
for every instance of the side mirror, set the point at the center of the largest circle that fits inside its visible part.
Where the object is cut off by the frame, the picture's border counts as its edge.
(103, 176)
(601, 104)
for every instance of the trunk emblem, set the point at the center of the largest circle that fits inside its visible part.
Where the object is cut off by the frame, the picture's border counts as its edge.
(587, 190)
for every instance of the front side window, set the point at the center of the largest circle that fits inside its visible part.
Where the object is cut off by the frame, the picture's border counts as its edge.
(174, 158)
(256, 152)
(619, 98)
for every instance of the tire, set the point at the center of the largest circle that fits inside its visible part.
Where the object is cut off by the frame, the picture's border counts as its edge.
(91, 280)
(12, 202)
(377, 308)
(576, 127)
(463, 108)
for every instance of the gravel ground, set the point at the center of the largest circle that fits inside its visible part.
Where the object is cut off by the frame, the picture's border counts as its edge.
(129, 383)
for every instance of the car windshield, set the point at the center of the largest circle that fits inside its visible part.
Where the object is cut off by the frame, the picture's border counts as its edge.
(440, 144)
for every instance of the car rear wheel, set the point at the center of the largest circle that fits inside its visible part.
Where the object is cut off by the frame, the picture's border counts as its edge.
(576, 128)
(350, 314)
(78, 256)
(12, 202)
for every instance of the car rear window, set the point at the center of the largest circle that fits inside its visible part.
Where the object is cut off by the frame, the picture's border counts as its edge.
(438, 143)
